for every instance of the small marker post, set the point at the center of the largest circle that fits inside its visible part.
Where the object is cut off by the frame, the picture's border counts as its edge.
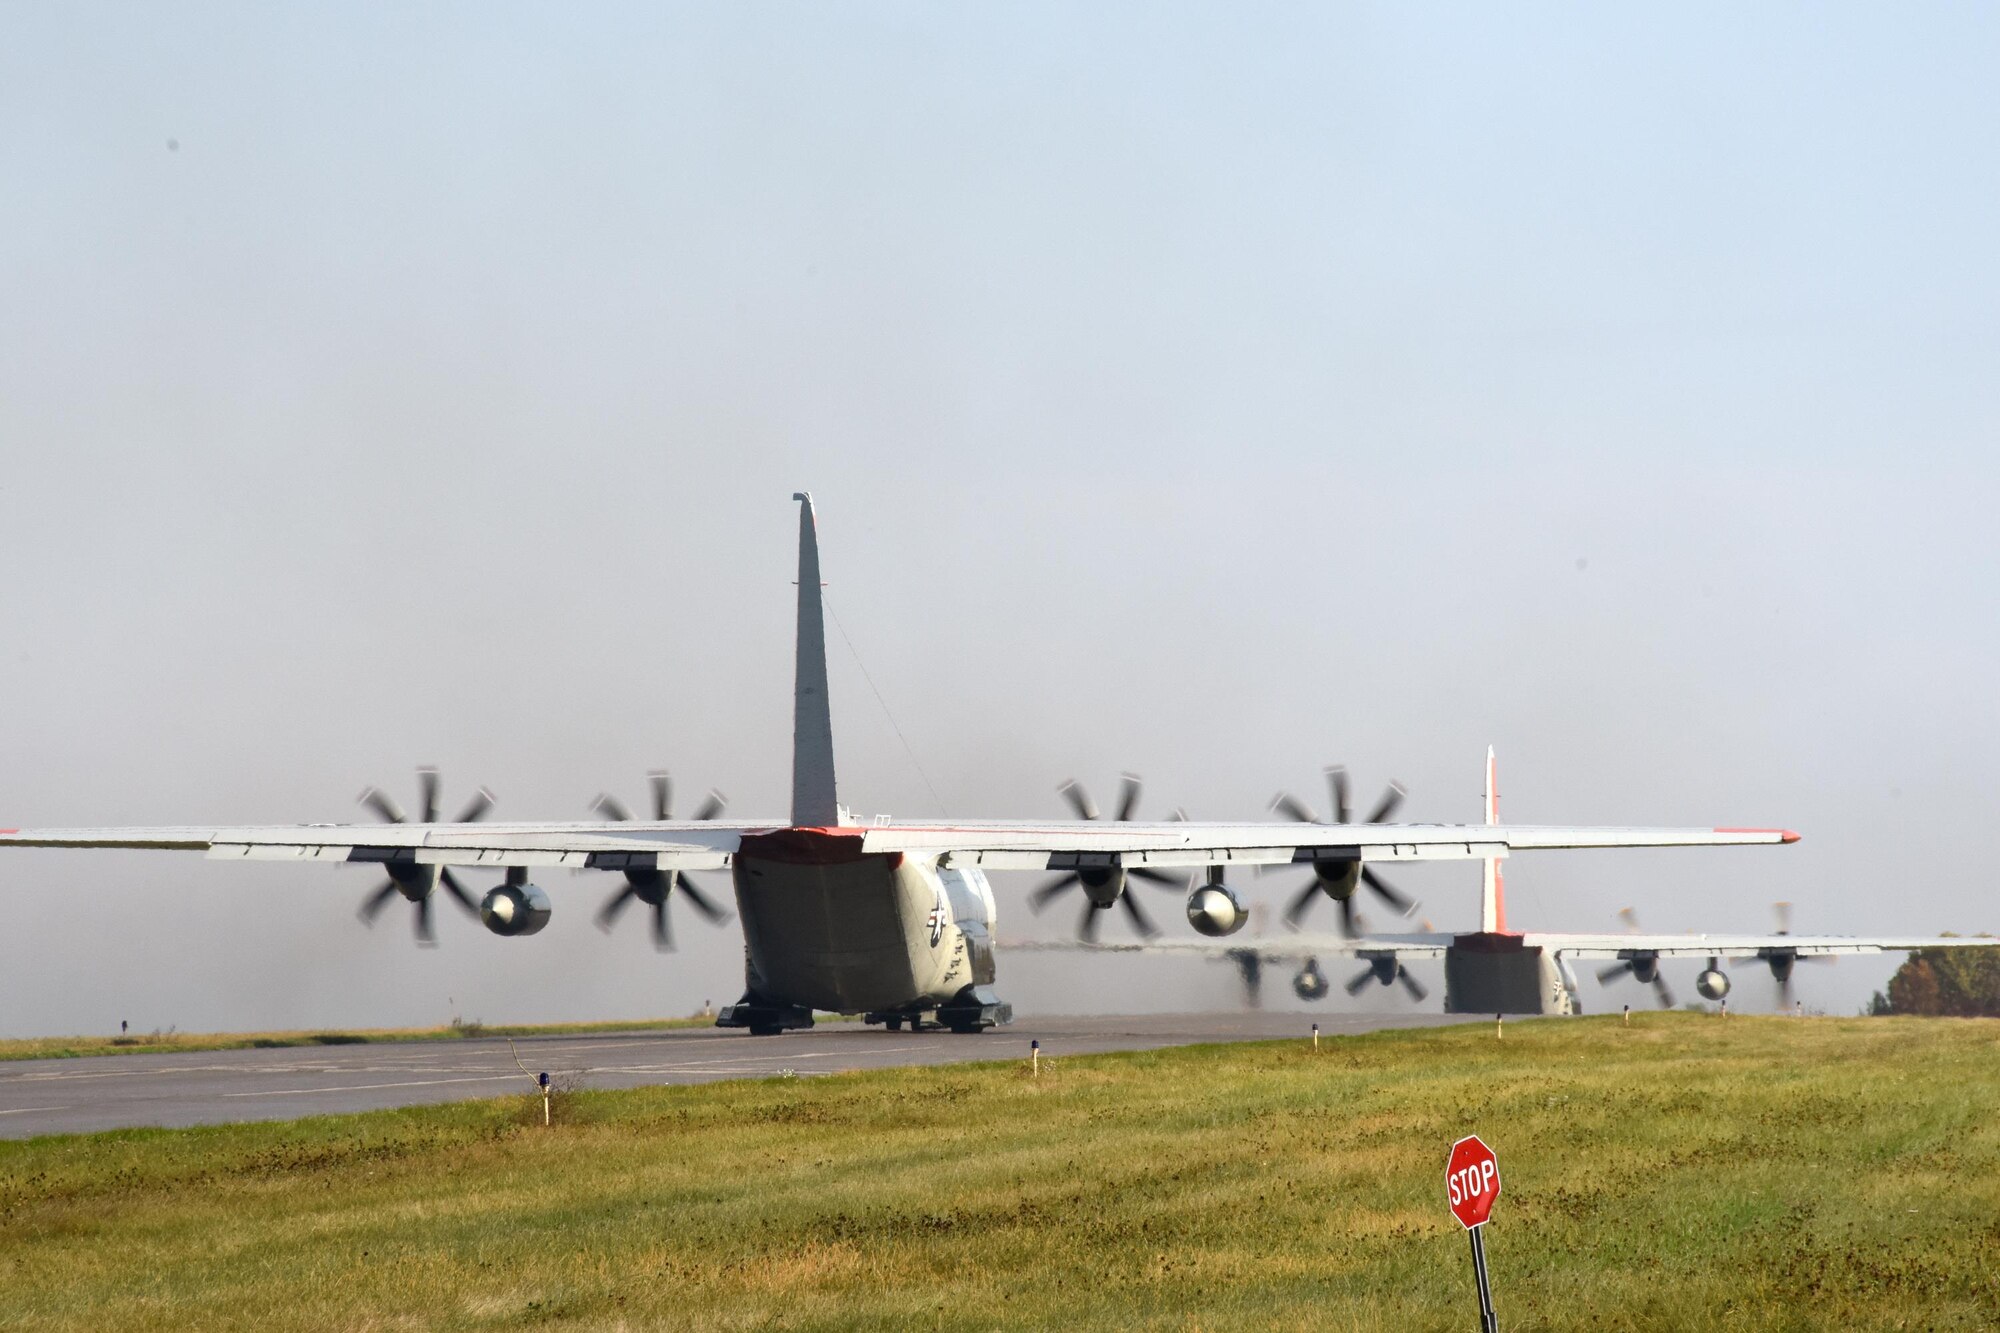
(1725, 1008)
(1498, 1033)
(1628, 1015)
(1315, 1036)
(1035, 1057)
(542, 1079)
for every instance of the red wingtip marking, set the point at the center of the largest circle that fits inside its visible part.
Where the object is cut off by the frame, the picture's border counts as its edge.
(9, 830)
(1784, 834)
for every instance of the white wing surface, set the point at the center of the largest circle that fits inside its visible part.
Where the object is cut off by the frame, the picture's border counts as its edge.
(1742, 946)
(698, 845)
(682, 845)
(1077, 843)
(1429, 944)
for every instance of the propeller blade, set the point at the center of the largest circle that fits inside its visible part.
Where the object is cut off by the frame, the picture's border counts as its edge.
(426, 937)
(1140, 921)
(1336, 782)
(1158, 877)
(1041, 897)
(1411, 984)
(1660, 989)
(1387, 805)
(1607, 975)
(1402, 902)
(1784, 912)
(427, 792)
(1291, 807)
(611, 808)
(1086, 929)
(1631, 920)
(1785, 995)
(713, 806)
(1348, 925)
(382, 804)
(663, 933)
(1079, 799)
(1360, 983)
(1179, 816)
(614, 905)
(1250, 967)
(1296, 911)
(1128, 796)
(701, 902)
(663, 794)
(457, 891)
(372, 905)
(476, 808)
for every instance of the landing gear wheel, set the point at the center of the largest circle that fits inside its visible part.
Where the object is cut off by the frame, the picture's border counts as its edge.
(893, 1024)
(764, 1030)
(968, 1029)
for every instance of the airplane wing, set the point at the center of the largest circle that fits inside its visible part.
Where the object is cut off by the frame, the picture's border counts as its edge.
(680, 845)
(1427, 944)
(1435, 944)
(699, 845)
(1072, 844)
(1743, 946)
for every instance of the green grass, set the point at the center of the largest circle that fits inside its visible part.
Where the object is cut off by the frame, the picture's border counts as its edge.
(140, 1043)
(1682, 1173)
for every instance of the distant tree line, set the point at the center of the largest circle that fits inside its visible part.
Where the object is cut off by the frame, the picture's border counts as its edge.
(1952, 983)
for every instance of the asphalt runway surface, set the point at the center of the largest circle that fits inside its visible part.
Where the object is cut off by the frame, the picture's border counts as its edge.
(88, 1093)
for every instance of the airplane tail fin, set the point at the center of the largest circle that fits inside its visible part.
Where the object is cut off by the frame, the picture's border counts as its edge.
(1493, 894)
(815, 800)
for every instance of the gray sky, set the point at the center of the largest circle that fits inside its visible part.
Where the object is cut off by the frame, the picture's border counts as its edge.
(1212, 392)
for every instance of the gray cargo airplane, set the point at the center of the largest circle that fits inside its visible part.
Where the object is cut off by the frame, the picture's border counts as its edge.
(1497, 970)
(888, 918)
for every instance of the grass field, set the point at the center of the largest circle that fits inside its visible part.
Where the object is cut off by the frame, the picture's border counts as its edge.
(140, 1043)
(1682, 1173)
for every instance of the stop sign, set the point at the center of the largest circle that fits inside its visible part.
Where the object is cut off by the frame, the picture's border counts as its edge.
(1472, 1181)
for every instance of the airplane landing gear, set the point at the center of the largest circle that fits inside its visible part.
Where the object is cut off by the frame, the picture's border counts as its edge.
(973, 1009)
(763, 1018)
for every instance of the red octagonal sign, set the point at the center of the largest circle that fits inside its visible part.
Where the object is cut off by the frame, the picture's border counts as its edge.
(1472, 1181)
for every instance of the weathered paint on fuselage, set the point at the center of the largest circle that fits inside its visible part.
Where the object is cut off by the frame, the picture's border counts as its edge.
(826, 926)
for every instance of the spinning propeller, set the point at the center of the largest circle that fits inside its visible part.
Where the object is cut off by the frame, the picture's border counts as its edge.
(651, 886)
(416, 882)
(1105, 885)
(1250, 967)
(1388, 970)
(1781, 961)
(1337, 878)
(1642, 965)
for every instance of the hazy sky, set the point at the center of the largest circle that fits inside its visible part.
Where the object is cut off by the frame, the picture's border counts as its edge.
(1215, 392)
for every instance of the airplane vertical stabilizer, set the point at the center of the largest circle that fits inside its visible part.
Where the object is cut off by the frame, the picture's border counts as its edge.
(815, 802)
(1493, 894)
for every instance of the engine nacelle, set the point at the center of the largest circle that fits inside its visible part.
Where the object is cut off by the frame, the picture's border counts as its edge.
(1712, 984)
(514, 909)
(1102, 884)
(1338, 879)
(1215, 910)
(1310, 983)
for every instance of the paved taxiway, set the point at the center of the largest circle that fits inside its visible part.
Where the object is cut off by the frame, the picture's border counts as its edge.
(90, 1093)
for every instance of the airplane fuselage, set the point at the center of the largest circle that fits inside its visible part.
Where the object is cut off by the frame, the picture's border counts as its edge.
(827, 926)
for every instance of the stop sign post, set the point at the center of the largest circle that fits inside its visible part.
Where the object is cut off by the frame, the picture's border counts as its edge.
(1472, 1184)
